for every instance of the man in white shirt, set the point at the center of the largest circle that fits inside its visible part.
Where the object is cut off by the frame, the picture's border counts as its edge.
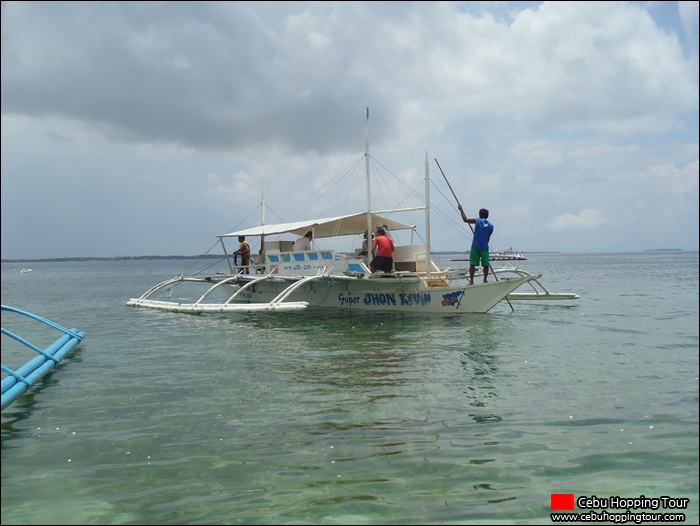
(303, 243)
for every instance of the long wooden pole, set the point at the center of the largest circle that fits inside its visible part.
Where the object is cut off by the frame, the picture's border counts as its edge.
(449, 186)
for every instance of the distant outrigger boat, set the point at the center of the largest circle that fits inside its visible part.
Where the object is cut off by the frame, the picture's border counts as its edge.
(499, 255)
(506, 255)
(282, 280)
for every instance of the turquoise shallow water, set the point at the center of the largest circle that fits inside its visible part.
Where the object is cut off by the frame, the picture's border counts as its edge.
(301, 418)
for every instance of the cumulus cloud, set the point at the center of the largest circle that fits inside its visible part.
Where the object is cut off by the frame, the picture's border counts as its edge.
(586, 218)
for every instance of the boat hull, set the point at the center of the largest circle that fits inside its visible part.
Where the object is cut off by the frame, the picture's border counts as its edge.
(378, 293)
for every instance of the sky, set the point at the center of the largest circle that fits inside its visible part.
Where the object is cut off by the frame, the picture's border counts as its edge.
(149, 128)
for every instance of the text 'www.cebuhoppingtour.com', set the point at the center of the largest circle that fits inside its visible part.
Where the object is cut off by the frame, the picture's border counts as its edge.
(637, 510)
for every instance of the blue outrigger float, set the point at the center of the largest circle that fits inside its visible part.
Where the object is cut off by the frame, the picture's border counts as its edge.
(19, 381)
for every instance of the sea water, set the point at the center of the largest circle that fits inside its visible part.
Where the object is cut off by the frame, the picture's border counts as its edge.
(335, 418)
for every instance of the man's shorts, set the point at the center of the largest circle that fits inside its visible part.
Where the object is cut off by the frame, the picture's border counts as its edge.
(382, 263)
(476, 256)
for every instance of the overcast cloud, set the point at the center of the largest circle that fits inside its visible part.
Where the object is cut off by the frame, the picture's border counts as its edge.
(147, 128)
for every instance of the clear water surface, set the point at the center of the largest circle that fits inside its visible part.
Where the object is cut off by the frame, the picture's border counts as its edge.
(302, 418)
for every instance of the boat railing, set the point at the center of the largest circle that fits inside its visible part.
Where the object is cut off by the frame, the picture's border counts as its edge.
(18, 381)
(302, 263)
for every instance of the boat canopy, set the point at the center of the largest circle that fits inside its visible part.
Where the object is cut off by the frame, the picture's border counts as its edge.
(327, 227)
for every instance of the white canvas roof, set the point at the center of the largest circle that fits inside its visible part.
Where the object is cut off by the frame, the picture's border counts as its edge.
(326, 227)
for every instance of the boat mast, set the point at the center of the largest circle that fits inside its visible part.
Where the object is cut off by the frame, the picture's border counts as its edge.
(369, 198)
(262, 219)
(262, 214)
(427, 216)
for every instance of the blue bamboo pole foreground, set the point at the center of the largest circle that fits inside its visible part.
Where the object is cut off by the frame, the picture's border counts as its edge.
(17, 382)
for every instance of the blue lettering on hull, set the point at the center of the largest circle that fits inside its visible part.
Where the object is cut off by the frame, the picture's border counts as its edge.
(379, 299)
(348, 301)
(404, 300)
(415, 299)
(386, 299)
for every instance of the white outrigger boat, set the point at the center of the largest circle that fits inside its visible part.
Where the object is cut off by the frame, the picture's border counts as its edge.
(506, 255)
(280, 279)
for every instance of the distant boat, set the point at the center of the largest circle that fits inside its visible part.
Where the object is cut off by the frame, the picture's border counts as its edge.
(500, 255)
(25, 270)
(506, 255)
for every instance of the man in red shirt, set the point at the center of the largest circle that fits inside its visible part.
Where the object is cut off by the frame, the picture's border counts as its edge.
(383, 248)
